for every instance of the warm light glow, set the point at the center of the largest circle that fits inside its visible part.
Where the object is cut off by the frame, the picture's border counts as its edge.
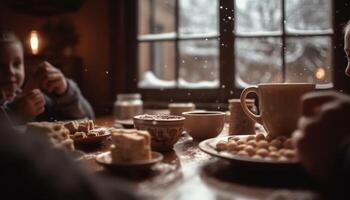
(320, 73)
(34, 42)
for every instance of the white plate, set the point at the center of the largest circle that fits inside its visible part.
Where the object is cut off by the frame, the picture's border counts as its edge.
(209, 146)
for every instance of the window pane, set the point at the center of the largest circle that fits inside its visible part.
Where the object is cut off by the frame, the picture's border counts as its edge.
(198, 16)
(258, 16)
(199, 67)
(156, 16)
(309, 60)
(156, 65)
(258, 60)
(308, 15)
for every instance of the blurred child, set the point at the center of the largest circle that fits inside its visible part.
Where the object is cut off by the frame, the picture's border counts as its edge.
(47, 94)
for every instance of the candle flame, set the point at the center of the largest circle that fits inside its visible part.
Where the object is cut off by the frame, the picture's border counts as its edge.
(320, 73)
(34, 42)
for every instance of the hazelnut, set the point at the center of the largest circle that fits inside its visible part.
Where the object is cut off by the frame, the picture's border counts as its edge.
(274, 155)
(272, 148)
(221, 146)
(290, 154)
(256, 156)
(262, 152)
(281, 151)
(276, 143)
(250, 137)
(241, 147)
(242, 153)
(263, 144)
(250, 150)
(282, 158)
(239, 142)
(260, 136)
(252, 143)
(232, 145)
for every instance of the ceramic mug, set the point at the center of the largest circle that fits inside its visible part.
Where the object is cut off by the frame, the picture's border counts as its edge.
(279, 105)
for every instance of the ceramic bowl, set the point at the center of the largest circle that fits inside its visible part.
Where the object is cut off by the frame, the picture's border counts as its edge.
(165, 130)
(202, 125)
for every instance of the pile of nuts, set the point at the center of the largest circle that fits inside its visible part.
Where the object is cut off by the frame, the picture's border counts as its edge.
(259, 146)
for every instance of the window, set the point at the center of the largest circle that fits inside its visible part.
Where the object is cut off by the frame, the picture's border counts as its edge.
(178, 44)
(283, 41)
(213, 45)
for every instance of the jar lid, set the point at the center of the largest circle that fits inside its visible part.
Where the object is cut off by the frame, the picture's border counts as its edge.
(128, 96)
(248, 101)
(185, 105)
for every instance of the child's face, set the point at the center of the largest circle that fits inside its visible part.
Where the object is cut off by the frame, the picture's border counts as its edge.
(11, 69)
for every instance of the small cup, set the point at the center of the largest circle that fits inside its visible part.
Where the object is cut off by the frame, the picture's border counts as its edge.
(240, 123)
(279, 105)
(179, 108)
(202, 125)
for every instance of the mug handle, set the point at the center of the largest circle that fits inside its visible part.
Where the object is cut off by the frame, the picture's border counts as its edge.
(245, 108)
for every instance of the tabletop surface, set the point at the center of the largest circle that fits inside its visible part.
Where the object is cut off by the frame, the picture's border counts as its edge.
(188, 173)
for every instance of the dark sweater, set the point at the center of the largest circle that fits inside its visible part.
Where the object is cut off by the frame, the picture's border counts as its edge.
(342, 170)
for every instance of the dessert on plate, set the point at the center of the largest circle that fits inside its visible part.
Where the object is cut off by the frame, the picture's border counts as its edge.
(130, 145)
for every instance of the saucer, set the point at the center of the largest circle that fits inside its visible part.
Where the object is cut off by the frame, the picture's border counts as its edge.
(105, 159)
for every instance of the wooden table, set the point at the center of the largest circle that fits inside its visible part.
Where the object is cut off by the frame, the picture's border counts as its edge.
(188, 173)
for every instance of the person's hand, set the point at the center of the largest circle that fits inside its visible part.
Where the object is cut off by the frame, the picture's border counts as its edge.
(51, 79)
(29, 105)
(7, 92)
(321, 130)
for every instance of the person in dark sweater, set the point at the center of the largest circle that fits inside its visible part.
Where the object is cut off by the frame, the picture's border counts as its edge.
(47, 94)
(323, 135)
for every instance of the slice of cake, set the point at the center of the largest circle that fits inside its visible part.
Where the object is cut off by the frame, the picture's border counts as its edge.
(55, 133)
(130, 145)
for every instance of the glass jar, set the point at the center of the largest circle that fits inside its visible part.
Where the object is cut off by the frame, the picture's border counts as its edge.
(127, 106)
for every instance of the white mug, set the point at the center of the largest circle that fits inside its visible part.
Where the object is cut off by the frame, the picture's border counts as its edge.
(279, 105)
